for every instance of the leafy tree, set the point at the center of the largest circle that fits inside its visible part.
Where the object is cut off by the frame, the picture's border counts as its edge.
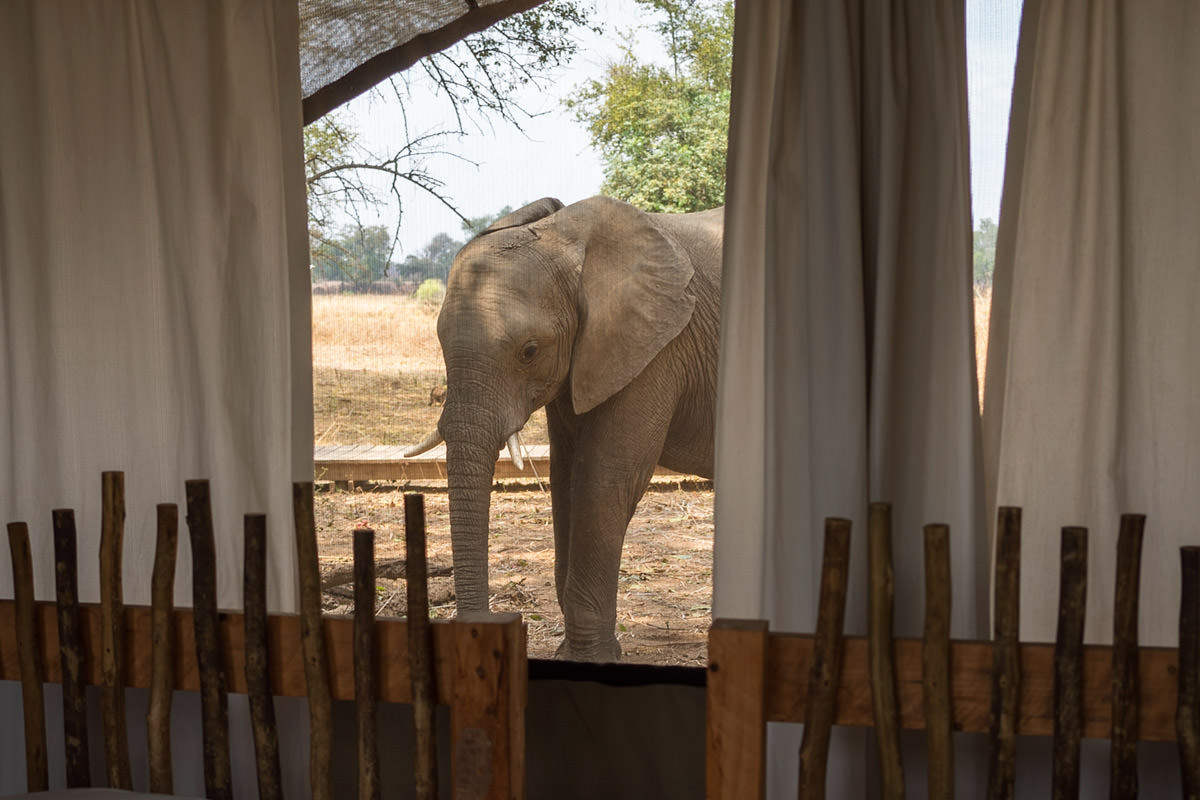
(662, 131)
(477, 225)
(985, 252)
(357, 256)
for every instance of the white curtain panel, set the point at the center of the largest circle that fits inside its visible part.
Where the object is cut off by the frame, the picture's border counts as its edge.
(1092, 404)
(847, 360)
(154, 313)
(1093, 386)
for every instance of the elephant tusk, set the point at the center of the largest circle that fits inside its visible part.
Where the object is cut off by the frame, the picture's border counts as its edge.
(514, 451)
(431, 441)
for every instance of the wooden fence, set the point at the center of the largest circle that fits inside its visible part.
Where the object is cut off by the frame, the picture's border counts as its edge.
(474, 664)
(1001, 687)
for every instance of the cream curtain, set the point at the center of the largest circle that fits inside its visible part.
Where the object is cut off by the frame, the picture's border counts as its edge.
(847, 361)
(1093, 387)
(154, 313)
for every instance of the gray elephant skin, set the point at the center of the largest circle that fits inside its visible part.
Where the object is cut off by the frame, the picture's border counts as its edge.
(608, 316)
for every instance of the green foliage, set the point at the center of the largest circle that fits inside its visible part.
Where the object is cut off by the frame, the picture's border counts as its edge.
(433, 260)
(662, 131)
(357, 256)
(985, 252)
(431, 292)
(477, 225)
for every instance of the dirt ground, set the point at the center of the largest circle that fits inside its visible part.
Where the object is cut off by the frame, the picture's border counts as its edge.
(664, 603)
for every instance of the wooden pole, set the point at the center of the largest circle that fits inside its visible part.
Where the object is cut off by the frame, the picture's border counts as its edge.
(1006, 663)
(366, 695)
(112, 666)
(66, 583)
(258, 681)
(214, 698)
(29, 651)
(312, 635)
(420, 647)
(1187, 713)
(1068, 663)
(935, 664)
(1123, 776)
(162, 653)
(827, 660)
(879, 638)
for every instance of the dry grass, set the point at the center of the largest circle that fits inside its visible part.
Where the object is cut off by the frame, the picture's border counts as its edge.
(983, 318)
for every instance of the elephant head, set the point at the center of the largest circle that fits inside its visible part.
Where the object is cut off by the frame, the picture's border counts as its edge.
(550, 304)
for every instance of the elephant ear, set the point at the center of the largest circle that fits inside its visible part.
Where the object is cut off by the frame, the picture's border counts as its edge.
(524, 215)
(634, 296)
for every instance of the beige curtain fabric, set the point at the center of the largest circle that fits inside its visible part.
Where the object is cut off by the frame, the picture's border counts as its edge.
(847, 361)
(154, 312)
(1093, 385)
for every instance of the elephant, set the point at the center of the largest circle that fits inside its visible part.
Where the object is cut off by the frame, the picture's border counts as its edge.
(608, 316)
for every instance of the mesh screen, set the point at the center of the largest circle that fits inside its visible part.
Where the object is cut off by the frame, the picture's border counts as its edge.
(338, 35)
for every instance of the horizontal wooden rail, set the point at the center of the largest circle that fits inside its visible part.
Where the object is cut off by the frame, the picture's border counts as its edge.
(283, 636)
(789, 658)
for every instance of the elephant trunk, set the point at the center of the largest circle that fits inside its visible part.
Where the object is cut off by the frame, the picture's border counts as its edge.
(470, 467)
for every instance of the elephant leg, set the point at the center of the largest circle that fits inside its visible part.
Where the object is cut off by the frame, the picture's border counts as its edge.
(605, 490)
(562, 449)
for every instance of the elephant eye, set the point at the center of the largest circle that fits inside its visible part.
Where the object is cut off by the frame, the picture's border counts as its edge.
(528, 351)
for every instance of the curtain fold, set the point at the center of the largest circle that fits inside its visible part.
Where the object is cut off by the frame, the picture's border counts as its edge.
(847, 360)
(1092, 405)
(154, 312)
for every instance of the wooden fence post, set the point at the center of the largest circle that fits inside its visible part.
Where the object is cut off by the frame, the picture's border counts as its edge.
(66, 582)
(1006, 665)
(1068, 663)
(935, 660)
(736, 718)
(487, 712)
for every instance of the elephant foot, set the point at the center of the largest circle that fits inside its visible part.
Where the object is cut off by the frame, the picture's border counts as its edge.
(604, 652)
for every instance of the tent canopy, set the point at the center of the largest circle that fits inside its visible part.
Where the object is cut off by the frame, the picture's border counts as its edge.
(349, 46)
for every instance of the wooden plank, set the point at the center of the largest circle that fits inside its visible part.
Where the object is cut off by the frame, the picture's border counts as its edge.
(387, 463)
(736, 710)
(1188, 708)
(283, 636)
(487, 709)
(789, 661)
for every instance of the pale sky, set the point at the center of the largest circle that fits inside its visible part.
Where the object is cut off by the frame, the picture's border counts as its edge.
(553, 156)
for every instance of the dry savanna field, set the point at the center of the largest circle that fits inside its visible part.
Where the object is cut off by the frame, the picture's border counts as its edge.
(375, 361)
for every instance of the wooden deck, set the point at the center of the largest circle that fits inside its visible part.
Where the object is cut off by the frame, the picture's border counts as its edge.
(365, 462)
